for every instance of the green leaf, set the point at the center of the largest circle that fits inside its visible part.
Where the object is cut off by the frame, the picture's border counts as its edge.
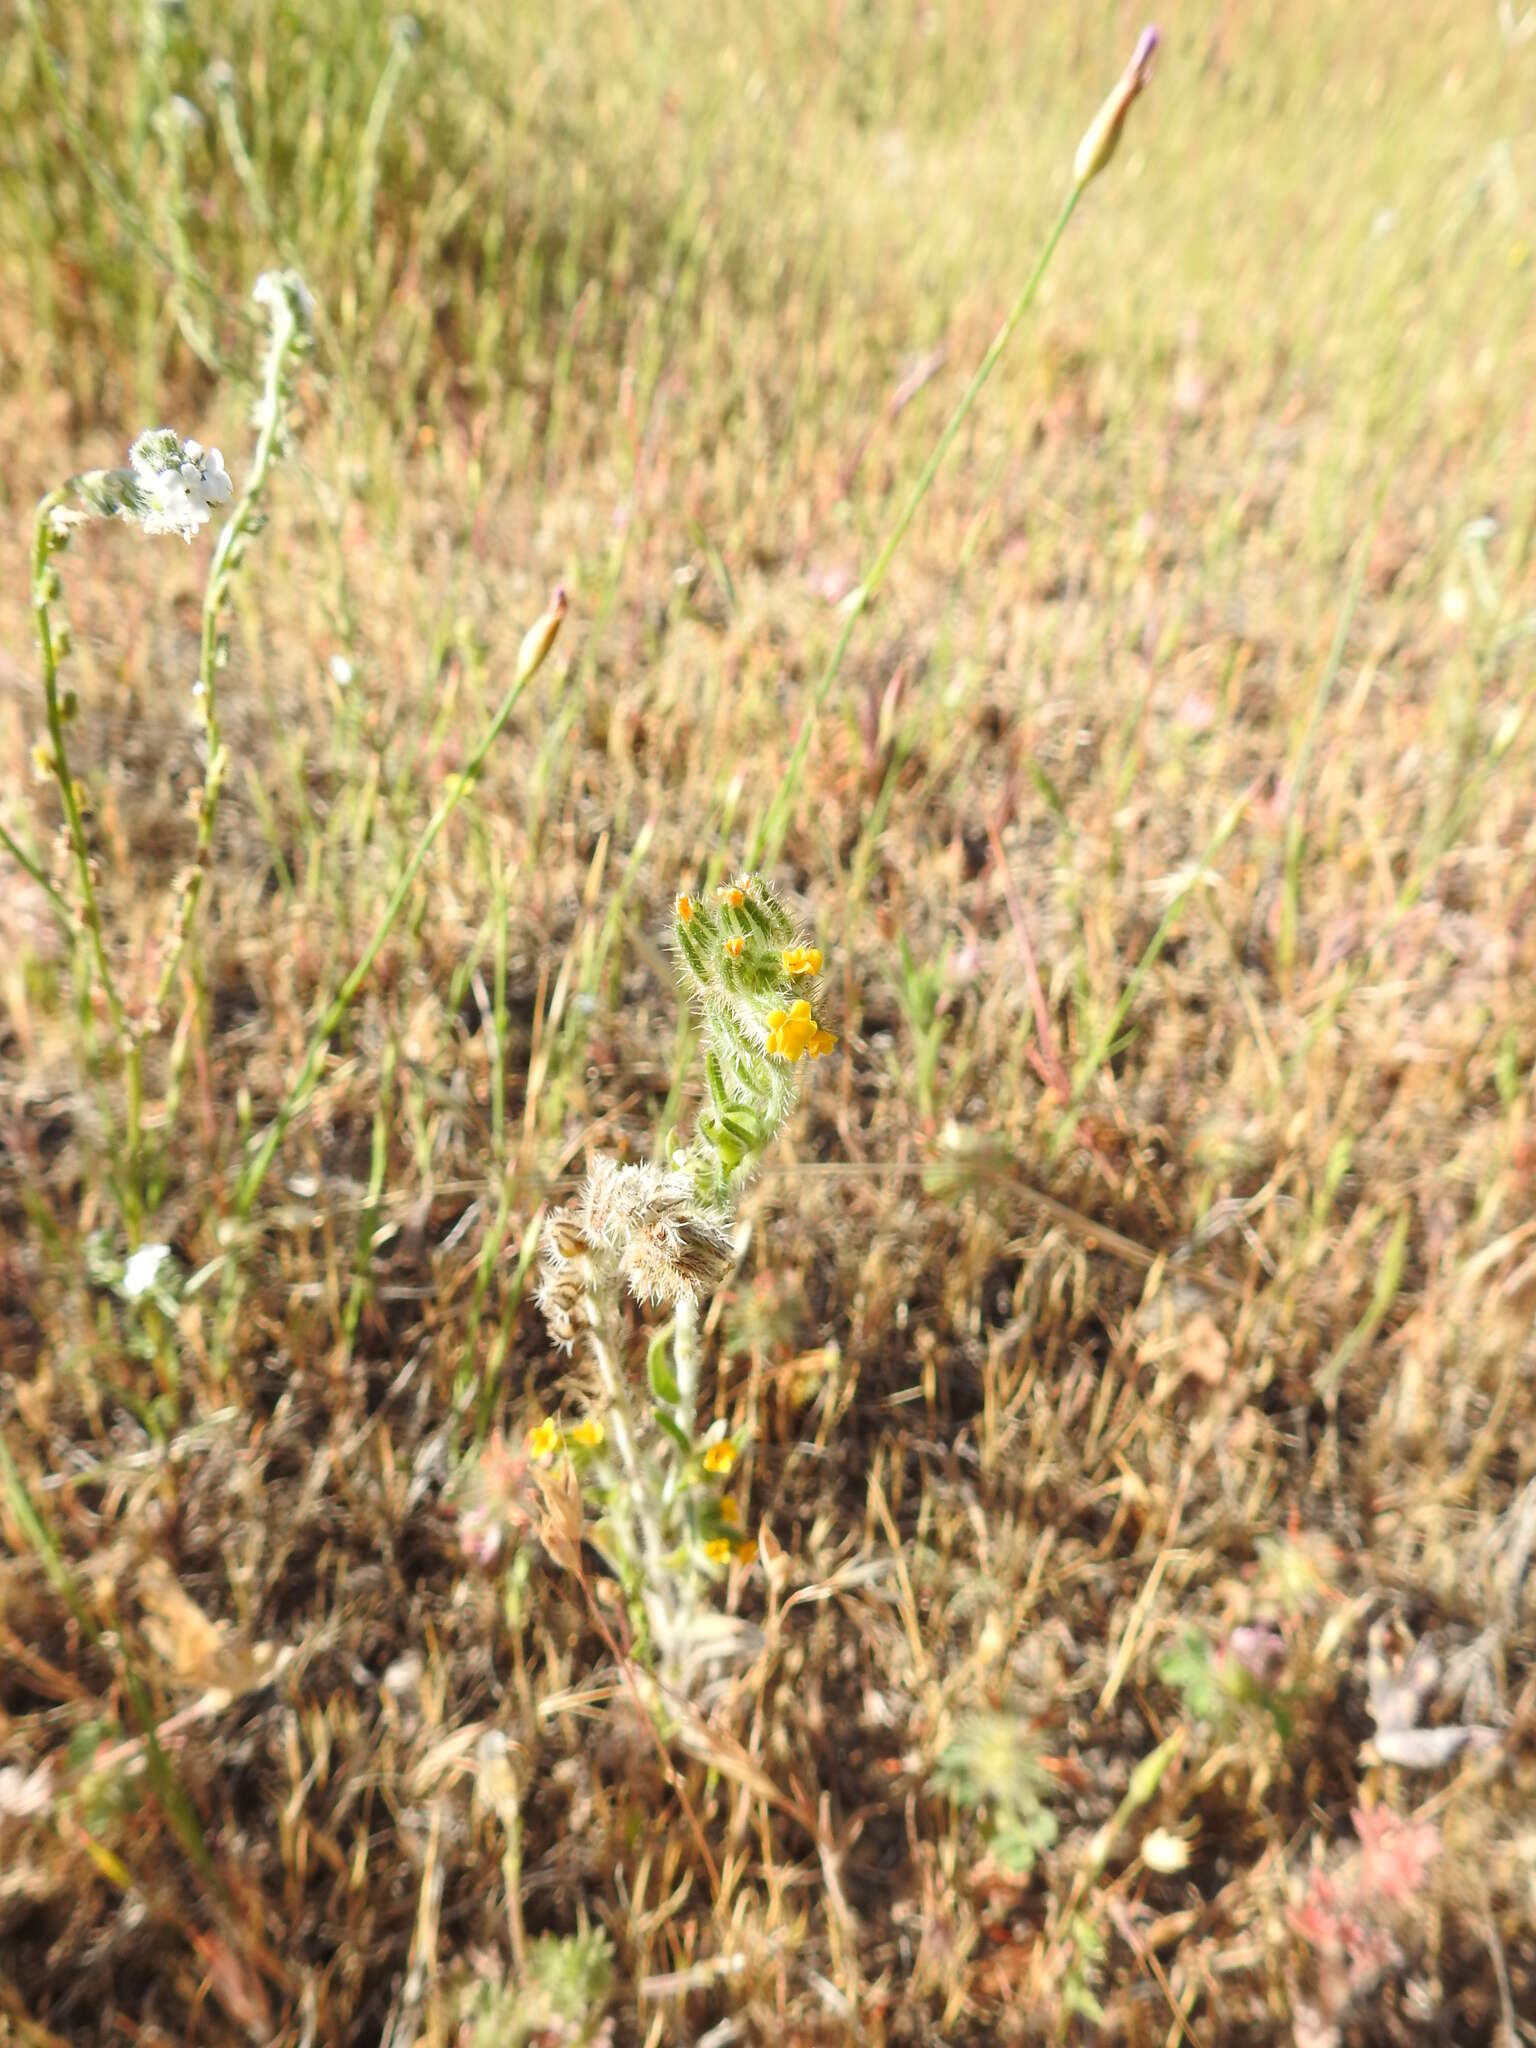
(669, 1426)
(1189, 1670)
(659, 1370)
(1077, 1998)
(1019, 1840)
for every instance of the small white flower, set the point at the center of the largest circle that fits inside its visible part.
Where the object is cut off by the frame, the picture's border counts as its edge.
(1165, 1852)
(275, 288)
(179, 483)
(342, 671)
(23, 1796)
(143, 1270)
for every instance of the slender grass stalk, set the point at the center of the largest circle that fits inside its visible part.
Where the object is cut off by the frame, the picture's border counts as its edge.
(536, 645)
(175, 208)
(403, 41)
(168, 1787)
(1295, 807)
(1098, 145)
(31, 868)
(768, 839)
(119, 204)
(367, 1222)
(1104, 1041)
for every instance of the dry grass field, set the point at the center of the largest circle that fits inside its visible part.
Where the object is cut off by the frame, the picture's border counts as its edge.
(1129, 1337)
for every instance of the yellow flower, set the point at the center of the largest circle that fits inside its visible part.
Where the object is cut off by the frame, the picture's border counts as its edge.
(730, 1511)
(734, 897)
(746, 1551)
(801, 959)
(588, 1434)
(721, 1458)
(684, 908)
(717, 1550)
(735, 947)
(543, 1439)
(792, 1033)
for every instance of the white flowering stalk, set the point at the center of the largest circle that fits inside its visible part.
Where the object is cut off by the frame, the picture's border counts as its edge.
(168, 486)
(664, 1235)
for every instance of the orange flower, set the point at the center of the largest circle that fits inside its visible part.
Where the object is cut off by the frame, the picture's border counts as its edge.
(684, 908)
(736, 947)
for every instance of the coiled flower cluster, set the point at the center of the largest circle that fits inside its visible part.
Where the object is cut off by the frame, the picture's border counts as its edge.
(754, 982)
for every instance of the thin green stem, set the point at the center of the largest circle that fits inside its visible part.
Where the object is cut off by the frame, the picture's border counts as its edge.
(373, 137)
(44, 576)
(226, 556)
(1103, 1044)
(536, 646)
(30, 867)
(768, 840)
(1295, 808)
(117, 200)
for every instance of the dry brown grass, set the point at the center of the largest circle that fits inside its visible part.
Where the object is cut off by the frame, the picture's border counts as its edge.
(1245, 1338)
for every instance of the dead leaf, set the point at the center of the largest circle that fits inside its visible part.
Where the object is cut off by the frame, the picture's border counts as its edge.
(1205, 1351)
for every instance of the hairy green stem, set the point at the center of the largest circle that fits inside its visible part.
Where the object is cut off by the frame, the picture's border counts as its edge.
(685, 1361)
(658, 1591)
(89, 908)
(220, 574)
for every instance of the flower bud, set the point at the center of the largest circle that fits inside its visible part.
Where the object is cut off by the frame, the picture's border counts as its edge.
(540, 636)
(1103, 136)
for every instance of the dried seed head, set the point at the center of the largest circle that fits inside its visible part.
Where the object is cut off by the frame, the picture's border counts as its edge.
(613, 1198)
(675, 1250)
(566, 1277)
